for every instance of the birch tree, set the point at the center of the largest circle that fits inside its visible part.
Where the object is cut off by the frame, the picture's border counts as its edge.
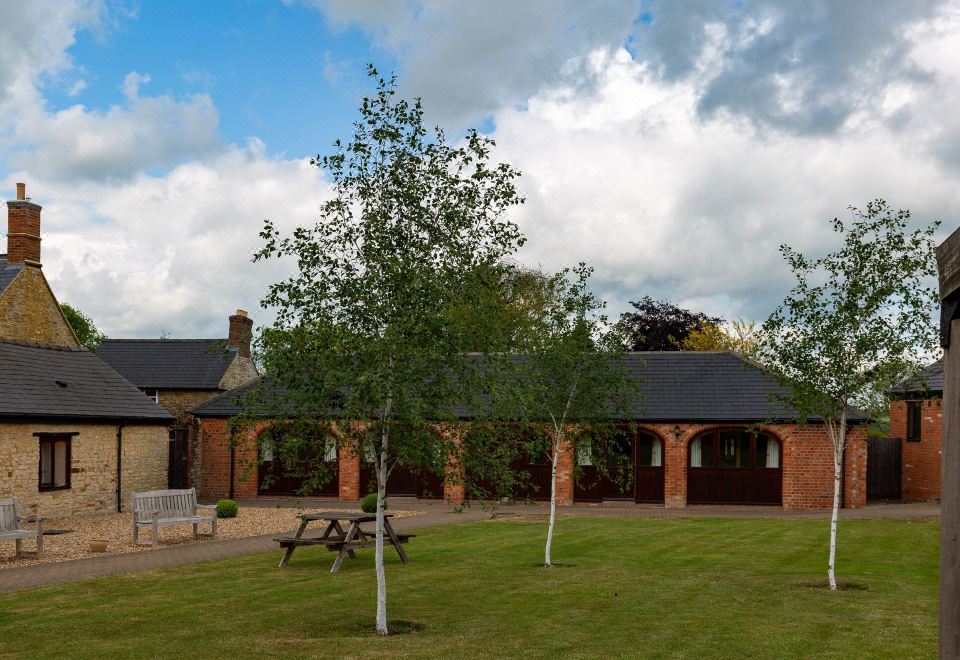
(364, 341)
(856, 319)
(570, 378)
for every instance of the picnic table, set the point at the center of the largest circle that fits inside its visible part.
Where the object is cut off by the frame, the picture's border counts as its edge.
(336, 540)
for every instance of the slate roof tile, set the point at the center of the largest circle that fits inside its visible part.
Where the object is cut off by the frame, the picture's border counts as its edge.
(928, 381)
(45, 382)
(188, 364)
(7, 272)
(676, 387)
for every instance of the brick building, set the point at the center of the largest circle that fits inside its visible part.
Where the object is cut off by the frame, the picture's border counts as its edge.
(75, 437)
(180, 374)
(705, 431)
(916, 418)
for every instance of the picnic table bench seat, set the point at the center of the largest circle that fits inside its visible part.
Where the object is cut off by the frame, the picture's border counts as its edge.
(156, 508)
(336, 539)
(12, 529)
(334, 543)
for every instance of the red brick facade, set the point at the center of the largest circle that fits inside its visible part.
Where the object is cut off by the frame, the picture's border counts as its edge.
(806, 460)
(215, 462)
(920, 460)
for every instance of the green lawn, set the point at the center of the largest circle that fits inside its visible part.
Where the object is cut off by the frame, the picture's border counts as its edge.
(654, 588)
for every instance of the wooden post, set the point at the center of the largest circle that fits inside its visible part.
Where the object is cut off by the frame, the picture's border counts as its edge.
(948, 259)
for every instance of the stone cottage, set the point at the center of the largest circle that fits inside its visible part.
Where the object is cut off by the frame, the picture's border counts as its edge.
(180, 374)
(75, 436)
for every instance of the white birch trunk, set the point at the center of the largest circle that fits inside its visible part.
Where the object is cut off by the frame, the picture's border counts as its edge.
(839, 437)
(553, 500)
(378, 558)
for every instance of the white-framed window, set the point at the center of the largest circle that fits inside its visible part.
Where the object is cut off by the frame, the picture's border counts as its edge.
(153, 394)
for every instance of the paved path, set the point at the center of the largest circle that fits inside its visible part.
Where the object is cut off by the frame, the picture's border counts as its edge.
(434, 513)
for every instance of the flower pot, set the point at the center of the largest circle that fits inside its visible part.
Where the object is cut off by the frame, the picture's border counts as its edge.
(98, 545)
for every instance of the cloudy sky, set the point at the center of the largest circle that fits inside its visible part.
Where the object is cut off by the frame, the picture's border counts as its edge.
(673, 145)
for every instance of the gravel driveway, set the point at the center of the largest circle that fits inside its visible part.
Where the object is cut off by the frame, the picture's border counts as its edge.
(117, 529)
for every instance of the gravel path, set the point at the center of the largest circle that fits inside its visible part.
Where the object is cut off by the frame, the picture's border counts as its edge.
(116, 528)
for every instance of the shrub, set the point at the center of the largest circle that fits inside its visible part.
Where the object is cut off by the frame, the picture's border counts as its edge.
(369, 504)
(227, 509)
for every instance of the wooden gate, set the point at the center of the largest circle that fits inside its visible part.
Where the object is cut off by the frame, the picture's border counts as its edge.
(883, 469)
(177, 468)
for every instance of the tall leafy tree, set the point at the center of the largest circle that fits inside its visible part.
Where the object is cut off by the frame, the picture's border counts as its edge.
(570, 381)
(83, 327)
(856, 320)
(364, 342)
(659, 325)
(741, 338)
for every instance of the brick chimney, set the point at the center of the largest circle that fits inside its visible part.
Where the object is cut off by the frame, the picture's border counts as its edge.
(23, 229)
(241, 330)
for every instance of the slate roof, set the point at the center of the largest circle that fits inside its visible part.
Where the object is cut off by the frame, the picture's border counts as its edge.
(176, 364)
(7, 272)
(68, 383)
(928, 382)
(676, 386)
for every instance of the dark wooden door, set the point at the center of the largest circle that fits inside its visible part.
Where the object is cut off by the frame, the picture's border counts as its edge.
(884, 469)
(178, 467)
(274, 478)
(403, 482)
(630, 475)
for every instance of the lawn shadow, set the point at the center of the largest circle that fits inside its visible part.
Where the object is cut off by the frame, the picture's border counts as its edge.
(396, 627)
(841, 586)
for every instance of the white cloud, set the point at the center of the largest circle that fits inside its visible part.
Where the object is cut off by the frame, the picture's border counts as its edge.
(633, 180)
(171, 251)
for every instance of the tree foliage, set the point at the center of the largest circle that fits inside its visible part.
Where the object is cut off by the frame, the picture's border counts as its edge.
(365, 330)
(570, 381)
(856, 321)
(741, 338)
(659, 325)
(83, 327)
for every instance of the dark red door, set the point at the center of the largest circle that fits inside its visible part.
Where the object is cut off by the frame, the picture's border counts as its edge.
(634, 470)
(403, 482)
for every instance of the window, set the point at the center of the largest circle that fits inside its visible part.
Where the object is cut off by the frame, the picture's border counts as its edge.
(649, 453)
(620, 451)
(734, 449)
(54, 462)
(913, 420)
(153, 394)
(768, 452)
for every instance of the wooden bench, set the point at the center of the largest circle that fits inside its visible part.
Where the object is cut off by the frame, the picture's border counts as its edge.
(12, 529)
(169, 507)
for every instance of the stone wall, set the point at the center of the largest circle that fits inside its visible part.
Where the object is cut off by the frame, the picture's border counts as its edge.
(920, 460)
(241, 370)
(93, 466)
(29, 312)
(181, 402)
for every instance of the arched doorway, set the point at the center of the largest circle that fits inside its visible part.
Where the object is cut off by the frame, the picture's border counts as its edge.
(633, 460)
(734, 466)
(291, 460)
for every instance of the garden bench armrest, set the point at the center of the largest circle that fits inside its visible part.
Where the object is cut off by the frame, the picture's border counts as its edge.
(207, 507)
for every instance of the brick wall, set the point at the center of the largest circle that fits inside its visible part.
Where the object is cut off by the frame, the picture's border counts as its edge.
(806, 460)
(30, 312)
(93, 466)
(215, 461)
(920, 461)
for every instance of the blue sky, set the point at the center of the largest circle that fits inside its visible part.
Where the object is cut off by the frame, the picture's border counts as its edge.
(278, 72)
(672, 145)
